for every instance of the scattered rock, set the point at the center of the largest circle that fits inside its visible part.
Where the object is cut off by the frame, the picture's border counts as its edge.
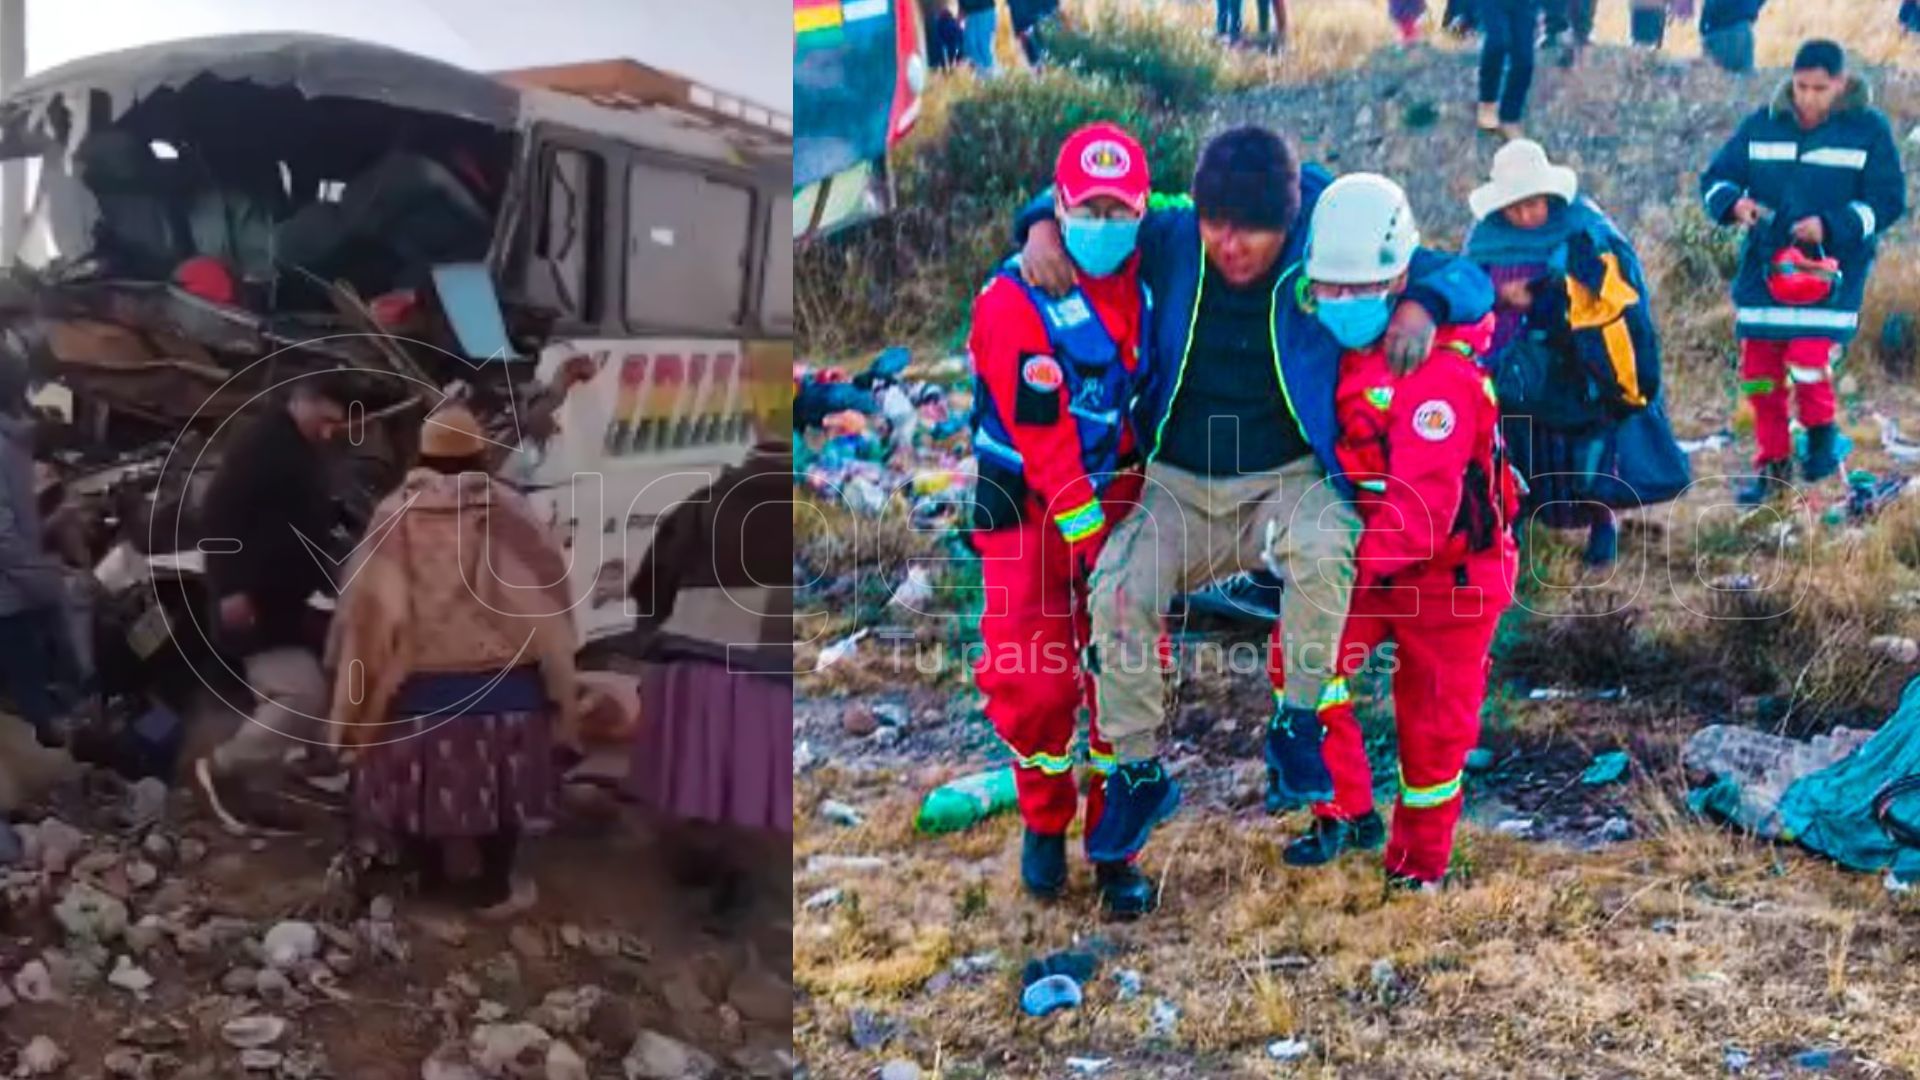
(272, 984)
(141, 873)
(450, 932)
(870, 1031)
(261, 1060)
(615, 1021)
(899, 1070)
(158, 848)
(1387, 984)
(192, 850)
(660, 1057)
(859, 721)
(840, 813)
(291, 942)
(571, 937)
(142, 936)
(52, 844)
(130, 977)
(516, 1050)
(34, 983)
(1515, 827)
(12, 848)
(90, 915)
(528, 942)
(569, 1012)
(239, 981)
(42, 1057)
(448, 1063)
(764, 1063)
(1901, 650)
(564, 1063)
(154, 1034)
(762, 996)
(253, 1032)
(146, 803)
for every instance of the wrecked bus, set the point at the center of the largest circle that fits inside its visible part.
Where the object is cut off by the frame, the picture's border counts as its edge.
(214, 216)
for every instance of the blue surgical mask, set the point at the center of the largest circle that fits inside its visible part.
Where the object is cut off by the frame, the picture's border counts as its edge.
(1355, 321)
(1100, 245)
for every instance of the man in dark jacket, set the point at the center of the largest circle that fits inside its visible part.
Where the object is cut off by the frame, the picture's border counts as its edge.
(32, 593)
(1235, 416)
(268, 516)
(1814, 174)
(1726, 32)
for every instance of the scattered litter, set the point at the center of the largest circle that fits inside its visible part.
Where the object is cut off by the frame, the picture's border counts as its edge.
(1902, 650)
(824, 864)
(963, 803)
(130, 977)
(290, 942)
(1088, 1066)
(841, 649)
(1049, 994)
(840, 813)
(1664, 926)
(1607, 768)
(1288, 1049)
(1479, 759)
(1868, 494)
(1814, 1059)
(977, 964)
(890, 714)
(900, 1070)
(1129, 983)
(803, 757)
(1737, 1059)
(1895, 885)
(1164, 1020)
(1519, 827)
(1078, 966)
(1719, 440)
(1616, 830)
(823, 899)
(1387, 985)
(916, 591)
(1734, 583)
(1564, 693)
(42, 1057)
(1896, 447)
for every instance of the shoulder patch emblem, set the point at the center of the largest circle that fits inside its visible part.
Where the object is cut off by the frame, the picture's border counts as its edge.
(1380, 397)
(1042, 373)
(1433, 420)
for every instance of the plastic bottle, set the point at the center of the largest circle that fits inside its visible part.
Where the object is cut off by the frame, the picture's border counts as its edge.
(963, 803)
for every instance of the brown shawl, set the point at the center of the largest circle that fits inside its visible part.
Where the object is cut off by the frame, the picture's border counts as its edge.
(456, 575)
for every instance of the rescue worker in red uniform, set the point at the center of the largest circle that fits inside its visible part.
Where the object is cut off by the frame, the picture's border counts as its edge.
(1437, 561)
(1053, 382)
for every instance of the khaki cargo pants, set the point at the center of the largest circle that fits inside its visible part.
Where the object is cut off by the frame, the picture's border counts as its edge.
(1190, 529)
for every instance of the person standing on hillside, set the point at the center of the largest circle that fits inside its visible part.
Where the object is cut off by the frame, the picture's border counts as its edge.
(1237, 427)
(1574, 20)
(32, 586)
(1059, 467)
(1647, 22)
(1226, 20)
(1726, 32)
(1815, 179)
(1576, 350)
(980, 20)
(1508, 29)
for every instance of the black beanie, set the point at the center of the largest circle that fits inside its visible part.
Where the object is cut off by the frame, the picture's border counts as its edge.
(1249, 177)
(1823, 54)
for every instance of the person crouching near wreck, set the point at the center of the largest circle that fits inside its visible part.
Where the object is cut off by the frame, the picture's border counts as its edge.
(452, 652)
(1059, 467)
(1436, 563)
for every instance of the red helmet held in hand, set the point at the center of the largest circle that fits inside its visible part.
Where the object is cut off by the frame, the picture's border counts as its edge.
(1797, 277)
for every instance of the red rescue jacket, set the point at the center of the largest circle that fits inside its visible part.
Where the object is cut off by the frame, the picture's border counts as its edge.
(1008, 331)
(1433, 488)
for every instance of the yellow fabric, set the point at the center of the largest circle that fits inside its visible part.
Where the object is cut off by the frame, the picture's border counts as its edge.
(1605, 310)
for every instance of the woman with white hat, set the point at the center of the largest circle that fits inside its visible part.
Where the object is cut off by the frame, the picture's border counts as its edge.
(1575, 351)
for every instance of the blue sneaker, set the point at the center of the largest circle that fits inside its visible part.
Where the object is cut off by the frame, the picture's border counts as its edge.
(1774, 480)
(1140, 795)
(1295, 769)
(1043, 864)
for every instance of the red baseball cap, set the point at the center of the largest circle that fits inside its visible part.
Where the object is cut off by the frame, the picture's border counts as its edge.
(1102, 159)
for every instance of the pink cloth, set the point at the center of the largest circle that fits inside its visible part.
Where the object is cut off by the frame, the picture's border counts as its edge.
(1506, 322)
(715, 746)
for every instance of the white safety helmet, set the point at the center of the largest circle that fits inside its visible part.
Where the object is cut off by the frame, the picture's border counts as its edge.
(1362, 232)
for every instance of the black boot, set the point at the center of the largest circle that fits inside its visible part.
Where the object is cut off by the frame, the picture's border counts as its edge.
(1823, 453)
(1331, 836)
(1125, 892)
(1043, 864)
(1774, 480)
(1295, 769)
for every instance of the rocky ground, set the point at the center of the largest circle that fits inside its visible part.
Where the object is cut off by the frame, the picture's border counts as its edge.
(137, 940)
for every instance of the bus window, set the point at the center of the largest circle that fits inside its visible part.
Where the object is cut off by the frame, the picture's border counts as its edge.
(776, 296)
(687, 239)
(565, 276)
